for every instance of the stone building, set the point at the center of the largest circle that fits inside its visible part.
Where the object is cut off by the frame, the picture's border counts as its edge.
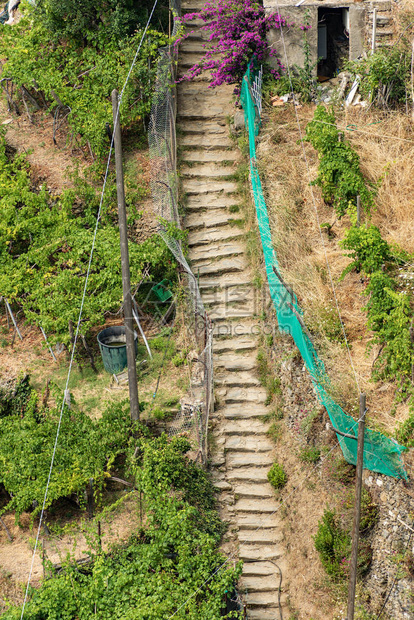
(338, 30)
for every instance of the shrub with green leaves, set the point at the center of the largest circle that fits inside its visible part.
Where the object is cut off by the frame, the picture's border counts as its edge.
(26, 445)
(45, 243)
(384, 76)
(339, 177)
(333, 545)
(369, 250)
(81, 70)
(157, 573)
(277, 476)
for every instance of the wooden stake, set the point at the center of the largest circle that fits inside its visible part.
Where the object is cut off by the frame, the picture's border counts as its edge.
(357, 514)
(358, 211)
(126, 282)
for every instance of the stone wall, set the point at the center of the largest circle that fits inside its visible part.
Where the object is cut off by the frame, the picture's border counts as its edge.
(360, 26)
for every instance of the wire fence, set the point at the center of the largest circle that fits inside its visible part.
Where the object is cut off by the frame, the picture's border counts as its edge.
(193, 417)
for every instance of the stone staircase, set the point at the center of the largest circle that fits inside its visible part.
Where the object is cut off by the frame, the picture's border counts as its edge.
(385, 31)
(241, 451)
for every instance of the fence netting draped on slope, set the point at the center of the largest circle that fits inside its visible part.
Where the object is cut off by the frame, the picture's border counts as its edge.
(164, 188)
(381, 454)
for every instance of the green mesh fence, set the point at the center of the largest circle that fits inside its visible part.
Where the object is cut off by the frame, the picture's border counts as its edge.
(381, 454)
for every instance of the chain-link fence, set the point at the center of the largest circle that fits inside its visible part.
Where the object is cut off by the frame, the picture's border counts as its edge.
(164, 187)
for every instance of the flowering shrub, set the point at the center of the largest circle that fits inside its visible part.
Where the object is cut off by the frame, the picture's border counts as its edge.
(238, 30)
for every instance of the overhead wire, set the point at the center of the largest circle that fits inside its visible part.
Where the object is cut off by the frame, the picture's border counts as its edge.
(62, 409)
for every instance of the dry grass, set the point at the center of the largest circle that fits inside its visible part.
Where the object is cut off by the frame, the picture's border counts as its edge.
(309, 259)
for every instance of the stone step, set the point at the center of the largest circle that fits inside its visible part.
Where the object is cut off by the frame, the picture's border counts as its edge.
(211, 235)
(201, 203)
(192, 46)
(212, 128)
(262, 536)
(244, 343)
(241, 395)
(264, 583)
(247, 459)
(207, 141)
(222, 485)
(255, 443)
(201, 221)
(227, 282)
(256, 522)
(258, 506)
(257, 475)
(260, 552)
(201, 108)
(207, 170)
(251, 490)
(242, 411)
(265, 599)
(196, 186)
(242, 379)
(215, 251)
(202, 155)
(269, 613)
(234, 363)
(243, 427)
(255, 569)
(223, 265)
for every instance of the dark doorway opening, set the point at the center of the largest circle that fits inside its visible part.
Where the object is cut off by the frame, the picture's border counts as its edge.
(333, 40)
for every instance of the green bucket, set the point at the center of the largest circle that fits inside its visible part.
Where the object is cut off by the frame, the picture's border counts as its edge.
(112, 344)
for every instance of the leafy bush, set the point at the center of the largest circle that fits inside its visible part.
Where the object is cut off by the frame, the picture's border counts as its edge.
(238, 31)
(369, 250)
(310, 454)
(26, 446)
(333, 545)
(339, 177)
(384, 75)
(81, 78)
(397, 355)
(44, 251)
(405, 430)
(277, 476)
(91, 21)
(156, 573)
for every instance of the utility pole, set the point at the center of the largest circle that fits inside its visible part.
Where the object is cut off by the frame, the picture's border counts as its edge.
(357, 514)
(126, 281)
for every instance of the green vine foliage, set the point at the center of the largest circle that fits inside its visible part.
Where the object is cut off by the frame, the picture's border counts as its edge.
(45, 244)
(385, 75)
(339, 177)
(369, 251)
(81, 76)
(26, 447)
(172, 566)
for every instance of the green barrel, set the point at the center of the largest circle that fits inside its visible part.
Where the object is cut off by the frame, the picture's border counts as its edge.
(112, 344)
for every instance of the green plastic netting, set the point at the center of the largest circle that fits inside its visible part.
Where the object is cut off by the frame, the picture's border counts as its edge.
(381, 454)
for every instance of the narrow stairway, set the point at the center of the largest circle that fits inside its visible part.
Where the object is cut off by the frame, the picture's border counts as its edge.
(242, 453)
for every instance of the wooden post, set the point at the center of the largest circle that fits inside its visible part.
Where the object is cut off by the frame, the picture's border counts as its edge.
(374, 31)
(126, 283)
(358, 211)
(357, 514)
(89, 495)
